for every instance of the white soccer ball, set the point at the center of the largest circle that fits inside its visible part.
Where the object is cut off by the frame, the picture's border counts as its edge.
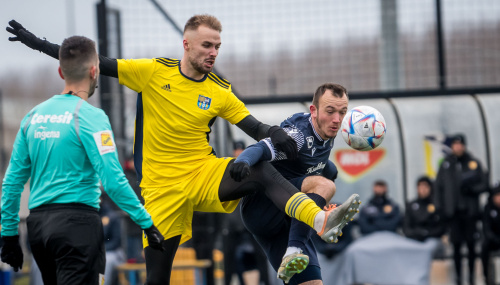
(363, 128)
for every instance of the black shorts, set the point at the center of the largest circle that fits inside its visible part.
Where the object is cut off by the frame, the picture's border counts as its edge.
(67, 243)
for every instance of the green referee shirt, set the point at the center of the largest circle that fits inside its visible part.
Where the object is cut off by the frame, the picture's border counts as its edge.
(65, 145)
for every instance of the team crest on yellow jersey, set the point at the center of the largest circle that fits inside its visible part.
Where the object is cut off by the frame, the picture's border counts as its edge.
(204, 102)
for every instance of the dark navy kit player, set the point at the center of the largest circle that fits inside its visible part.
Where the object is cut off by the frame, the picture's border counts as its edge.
(287, 241)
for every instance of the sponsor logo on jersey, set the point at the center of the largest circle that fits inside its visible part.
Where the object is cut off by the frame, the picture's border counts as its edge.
(204, 102)
(310, 141)
(52, 118)
(315, 168)
(104, 142)
(166, 87)
(42, 134)
(353, 164)
(106, 139)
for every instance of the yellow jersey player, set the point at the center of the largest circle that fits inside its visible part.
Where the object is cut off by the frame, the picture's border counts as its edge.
(179, 172)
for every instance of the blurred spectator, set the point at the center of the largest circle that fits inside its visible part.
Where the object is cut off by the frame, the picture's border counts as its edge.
(134, 232)
(491, 228)
(422, 220)
(459, 182)
(380, 213)
(111, 223)
(238, 147)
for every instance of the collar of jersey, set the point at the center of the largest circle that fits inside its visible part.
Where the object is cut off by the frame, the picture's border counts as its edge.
(192, 79)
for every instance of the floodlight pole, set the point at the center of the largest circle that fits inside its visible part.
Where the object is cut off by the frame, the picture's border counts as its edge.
(440, 47)
(102, 33)
(390, 64)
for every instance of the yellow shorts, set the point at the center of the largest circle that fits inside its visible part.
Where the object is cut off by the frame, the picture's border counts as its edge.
(171, 207)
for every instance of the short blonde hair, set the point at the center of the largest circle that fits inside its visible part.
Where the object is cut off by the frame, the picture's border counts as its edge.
(206, 20)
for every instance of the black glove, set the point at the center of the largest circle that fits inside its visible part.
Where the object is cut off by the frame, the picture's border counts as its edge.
(155, 238)
(24, 36)
(283, 142)
(12, 253)
(239, 171)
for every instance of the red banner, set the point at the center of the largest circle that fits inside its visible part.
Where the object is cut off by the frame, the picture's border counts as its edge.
(356, 163)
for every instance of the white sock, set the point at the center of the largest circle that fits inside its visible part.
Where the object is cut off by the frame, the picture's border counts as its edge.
(319, 220)
(292, 249)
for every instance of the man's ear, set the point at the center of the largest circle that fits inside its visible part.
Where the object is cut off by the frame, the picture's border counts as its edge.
(93, 72)
(312, 109)
(185, 44)
(60, 73)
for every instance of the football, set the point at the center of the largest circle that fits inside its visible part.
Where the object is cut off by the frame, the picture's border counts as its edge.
(363, 128)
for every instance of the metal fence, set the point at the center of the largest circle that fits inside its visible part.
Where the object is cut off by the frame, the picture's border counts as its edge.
(277, 48)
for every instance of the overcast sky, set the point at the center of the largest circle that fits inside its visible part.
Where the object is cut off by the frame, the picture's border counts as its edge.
(49, 19)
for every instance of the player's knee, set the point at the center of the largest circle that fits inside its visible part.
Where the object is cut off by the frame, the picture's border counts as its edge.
(321, 186)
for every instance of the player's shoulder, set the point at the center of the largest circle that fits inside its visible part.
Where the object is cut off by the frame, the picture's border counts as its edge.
(298, 120)
(302, 116)
(91, 112)
(218, 80)
(167, 62)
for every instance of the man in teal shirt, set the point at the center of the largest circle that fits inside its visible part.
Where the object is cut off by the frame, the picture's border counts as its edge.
(65, 145)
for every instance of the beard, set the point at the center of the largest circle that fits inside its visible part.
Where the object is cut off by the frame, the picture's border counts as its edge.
(92, 87)
(320, 128)
(199, 67)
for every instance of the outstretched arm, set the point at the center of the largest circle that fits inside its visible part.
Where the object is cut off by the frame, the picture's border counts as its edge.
(240, 169)
(108, 66)
(280, 139)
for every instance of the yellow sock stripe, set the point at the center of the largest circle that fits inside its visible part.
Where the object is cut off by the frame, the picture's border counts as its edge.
(302, 208)
(290, 204)
(297, 204)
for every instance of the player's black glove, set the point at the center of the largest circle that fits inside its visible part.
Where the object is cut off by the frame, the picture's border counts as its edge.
(24, 36)
(155, 238)
(239, 171)
(12, 253)
(283, 142)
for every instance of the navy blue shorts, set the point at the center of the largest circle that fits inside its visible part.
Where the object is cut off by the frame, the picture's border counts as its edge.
(270, 228)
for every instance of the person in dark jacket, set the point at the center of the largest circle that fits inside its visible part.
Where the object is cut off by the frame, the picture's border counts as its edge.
(381, 213)
(459, 182)
(491, 228)
(422, 220)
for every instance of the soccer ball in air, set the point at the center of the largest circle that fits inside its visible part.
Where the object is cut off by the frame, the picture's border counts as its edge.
(363, 128)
